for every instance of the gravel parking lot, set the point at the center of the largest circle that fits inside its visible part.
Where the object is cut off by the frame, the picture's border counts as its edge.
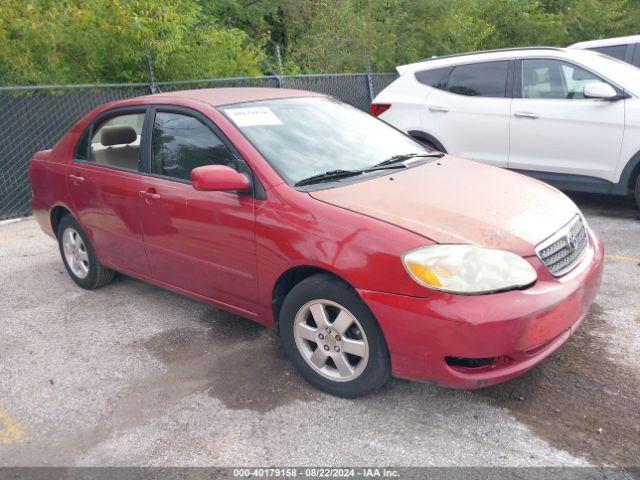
(134, 375)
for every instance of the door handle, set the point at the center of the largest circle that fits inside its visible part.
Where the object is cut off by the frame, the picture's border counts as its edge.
(149, 195)
(76, 179)
(437, 108)
(526, 115)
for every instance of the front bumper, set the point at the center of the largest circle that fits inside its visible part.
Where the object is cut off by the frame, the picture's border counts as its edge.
(519, 329)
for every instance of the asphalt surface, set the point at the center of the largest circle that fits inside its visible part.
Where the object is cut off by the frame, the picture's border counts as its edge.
(134, 375)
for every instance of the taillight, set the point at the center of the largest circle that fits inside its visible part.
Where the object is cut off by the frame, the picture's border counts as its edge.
(378, 109)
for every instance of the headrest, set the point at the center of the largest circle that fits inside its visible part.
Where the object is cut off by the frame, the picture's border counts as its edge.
(532, 77)
(117, 135)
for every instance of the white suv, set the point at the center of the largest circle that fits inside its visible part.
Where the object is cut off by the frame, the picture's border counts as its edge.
(626, 49)
(569, 117)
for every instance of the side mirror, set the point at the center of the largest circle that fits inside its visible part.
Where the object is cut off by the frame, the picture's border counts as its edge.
(600, 90)
(218, 178)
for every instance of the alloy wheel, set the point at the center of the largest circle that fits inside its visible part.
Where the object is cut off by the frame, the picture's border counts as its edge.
(75, 253)
(331, 340)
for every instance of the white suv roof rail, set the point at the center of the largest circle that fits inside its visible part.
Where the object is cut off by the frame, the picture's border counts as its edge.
(512, 49)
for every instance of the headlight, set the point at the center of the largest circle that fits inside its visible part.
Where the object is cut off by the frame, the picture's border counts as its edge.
(468, 269)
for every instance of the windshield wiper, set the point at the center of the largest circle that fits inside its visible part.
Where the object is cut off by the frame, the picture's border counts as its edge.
(406, 156)
(389, 164)
(328, 176)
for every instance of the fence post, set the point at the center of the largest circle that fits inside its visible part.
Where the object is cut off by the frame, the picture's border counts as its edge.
(368, 73)
(279, 59)
(152, 84)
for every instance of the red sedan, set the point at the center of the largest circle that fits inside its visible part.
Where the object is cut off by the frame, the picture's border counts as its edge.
(369, 253)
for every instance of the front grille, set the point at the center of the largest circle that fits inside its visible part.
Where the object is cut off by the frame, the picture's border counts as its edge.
(562, 251)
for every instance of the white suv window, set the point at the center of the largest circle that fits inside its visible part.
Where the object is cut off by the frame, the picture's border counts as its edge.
(554, 79)
(487, 79)
(615, 51)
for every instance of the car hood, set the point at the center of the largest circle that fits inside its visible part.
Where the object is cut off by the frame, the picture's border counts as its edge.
(452, 200)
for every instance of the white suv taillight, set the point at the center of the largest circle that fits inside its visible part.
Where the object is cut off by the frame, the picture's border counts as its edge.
(379, 108)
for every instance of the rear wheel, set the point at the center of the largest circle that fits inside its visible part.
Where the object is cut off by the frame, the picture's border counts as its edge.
(332, 338)
(78, 256)
(637, 191)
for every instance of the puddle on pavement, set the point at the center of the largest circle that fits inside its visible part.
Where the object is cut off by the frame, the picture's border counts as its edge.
(581, 400)
(233, 359)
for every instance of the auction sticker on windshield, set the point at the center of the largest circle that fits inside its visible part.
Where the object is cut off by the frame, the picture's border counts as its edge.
(254, 116)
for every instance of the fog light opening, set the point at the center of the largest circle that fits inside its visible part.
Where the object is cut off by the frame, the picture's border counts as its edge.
(468, 362)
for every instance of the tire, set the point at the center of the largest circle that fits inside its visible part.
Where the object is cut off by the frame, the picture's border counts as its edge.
(350, 338)
(79, 257)
(637, 191)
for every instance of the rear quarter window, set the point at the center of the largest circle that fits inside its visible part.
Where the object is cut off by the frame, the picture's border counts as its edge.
(435, 77)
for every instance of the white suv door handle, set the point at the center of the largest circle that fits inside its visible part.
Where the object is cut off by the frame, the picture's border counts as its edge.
(437, 108)
(526, 115)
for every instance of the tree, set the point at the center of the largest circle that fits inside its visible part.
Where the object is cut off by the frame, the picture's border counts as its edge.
(76, 41)
(111, 41)
(337, 35)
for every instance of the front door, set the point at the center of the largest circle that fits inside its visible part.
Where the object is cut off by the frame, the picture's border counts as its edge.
(554, 128)
(103, 181)
(202, 242)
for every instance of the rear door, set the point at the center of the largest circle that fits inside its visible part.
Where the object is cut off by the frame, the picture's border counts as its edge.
(556, 129)
(202, 242)
(103, 181)
(470, 112)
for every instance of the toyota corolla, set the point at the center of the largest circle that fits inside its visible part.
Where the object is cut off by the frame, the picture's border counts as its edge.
(370, 254)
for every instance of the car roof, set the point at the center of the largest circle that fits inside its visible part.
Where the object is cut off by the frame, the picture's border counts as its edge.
(226, 96)
(483, 56)
(607, 42)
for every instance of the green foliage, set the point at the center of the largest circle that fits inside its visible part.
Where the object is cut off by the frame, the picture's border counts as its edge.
(337, 35)
(77, 41)
(80, 41)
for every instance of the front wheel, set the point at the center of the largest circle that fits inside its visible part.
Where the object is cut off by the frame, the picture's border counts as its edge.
(637, 191)
(78, 256)
(332, 338)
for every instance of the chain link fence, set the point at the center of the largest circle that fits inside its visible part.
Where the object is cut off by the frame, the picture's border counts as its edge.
(35, 118)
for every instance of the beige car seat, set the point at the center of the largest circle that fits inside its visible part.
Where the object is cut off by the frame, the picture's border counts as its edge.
(119, 147)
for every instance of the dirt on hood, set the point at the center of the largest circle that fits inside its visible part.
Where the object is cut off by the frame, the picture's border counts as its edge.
(451, 200)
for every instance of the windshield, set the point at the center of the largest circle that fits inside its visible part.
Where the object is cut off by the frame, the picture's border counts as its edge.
(303, 137)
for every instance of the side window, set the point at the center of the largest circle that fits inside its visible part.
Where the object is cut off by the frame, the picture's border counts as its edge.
(181, 143)
(433, 78)
(615, 51)
(576, 78)
(554, 79)
(636, 55)
(116, 141)
(479, 79)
